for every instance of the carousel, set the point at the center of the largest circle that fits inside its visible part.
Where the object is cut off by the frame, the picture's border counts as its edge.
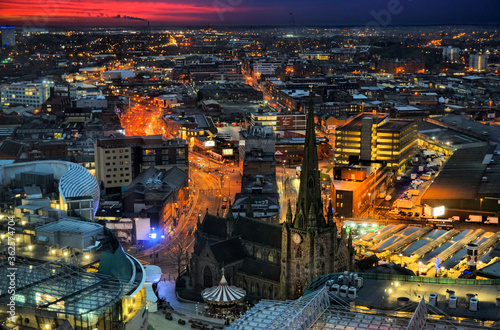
(224, 301)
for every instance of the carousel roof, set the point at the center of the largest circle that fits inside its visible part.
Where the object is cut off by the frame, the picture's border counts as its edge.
(223, 293)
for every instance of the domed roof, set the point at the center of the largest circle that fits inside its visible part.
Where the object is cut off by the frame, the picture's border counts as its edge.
(223, 293)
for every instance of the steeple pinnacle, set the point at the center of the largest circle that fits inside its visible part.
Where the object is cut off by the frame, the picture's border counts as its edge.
(289, 215)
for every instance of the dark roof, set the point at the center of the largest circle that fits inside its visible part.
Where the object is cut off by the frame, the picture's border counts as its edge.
(396, 125)
(490, 271)
(355, 123)
(261, 269)
(175, 177)
(11, 148)
(390, 268)
(229, 251)
(213, 225)
(460, 177)
(258, 232)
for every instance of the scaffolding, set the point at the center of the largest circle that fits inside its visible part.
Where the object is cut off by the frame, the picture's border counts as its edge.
(322, 310)
(59, 289)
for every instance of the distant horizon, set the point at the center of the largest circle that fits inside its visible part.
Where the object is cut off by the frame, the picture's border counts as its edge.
(250, 26)
(175, 13)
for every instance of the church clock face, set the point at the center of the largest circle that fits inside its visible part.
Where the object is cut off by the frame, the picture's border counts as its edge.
(297, 238)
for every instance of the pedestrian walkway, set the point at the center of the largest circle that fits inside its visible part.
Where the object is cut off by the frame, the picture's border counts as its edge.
(181, 310)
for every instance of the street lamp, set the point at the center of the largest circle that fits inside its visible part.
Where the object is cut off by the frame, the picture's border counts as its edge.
(152, 236)
(481, 204)
(401, 259)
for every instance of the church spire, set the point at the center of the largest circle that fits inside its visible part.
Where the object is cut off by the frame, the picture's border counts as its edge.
(289, 215)
(230, 221)
(309, 190)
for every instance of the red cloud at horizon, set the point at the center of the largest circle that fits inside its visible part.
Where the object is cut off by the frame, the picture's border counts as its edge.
(107, 12)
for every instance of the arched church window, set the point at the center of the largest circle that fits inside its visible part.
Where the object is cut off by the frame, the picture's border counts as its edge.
(207, 277)
(258, 254)
(270, 257)
(298, 252)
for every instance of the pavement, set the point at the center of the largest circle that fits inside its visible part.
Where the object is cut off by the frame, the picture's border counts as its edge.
(183, 310)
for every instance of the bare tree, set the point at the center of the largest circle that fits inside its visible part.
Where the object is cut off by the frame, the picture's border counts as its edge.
(177, 256)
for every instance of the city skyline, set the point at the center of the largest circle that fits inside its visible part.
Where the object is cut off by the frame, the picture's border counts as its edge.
(245, 12)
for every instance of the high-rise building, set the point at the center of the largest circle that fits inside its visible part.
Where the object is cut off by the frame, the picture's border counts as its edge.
(119, 160)
(375, 137)
(23, 93)
(451, 54)
(310, 243)
(478, 62)
(8, 36)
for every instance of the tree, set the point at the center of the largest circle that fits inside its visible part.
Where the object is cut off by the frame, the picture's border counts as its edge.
(178, 256)
(199, 96)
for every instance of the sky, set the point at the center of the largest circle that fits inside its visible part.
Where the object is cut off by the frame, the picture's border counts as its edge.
(45, 13)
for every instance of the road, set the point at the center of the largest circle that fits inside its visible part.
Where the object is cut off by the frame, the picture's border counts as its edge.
(207, 193)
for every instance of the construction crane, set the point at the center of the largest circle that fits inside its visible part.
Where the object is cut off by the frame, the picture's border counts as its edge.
(296, 33)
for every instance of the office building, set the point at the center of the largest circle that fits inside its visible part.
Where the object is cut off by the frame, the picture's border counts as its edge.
(8, 36)
(23, 93)
(119, 160)
(478, 62)
(451, 54)
(355, 188)
(376, 137)
(265, 68)
(280, 121)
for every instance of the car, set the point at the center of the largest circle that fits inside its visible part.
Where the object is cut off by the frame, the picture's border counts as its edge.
(224, 205)
(410, 214)
(417, 214)
(403, 213)
(224, 199)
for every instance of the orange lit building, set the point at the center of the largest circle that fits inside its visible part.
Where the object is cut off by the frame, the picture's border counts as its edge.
(400, 66)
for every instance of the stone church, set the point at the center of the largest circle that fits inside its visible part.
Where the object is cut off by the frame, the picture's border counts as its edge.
(274, 261)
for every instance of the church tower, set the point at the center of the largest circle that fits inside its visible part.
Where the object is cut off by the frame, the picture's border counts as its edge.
(311, 245)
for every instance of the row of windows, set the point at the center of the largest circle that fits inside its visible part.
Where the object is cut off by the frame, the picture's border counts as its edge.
(118, 181)
(114, 175)
(121, 163)
(115, 151)
(116, 169)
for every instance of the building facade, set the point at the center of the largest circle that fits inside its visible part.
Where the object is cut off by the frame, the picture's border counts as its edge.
(478, 62)
(119, 160)
(375, 137)
(22, 93)
(451, 54)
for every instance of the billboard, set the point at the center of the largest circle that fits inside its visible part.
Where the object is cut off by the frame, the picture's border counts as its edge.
(438, 211)
(227, 152)
(286, 121)
(142, 229)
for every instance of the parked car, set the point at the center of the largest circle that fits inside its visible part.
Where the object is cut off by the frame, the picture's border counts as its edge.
(417, 214)
(403, 213)
(410, 214)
